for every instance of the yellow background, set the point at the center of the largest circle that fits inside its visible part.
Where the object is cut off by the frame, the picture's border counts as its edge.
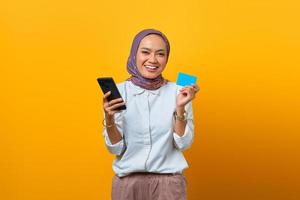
(244, 52)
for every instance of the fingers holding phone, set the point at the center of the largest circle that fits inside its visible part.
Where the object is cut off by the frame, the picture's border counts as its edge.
(113, 106)
(112, 99)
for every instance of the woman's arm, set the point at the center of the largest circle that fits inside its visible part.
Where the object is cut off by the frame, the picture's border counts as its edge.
(112, 130)
(185, 95)
(180, 124)
(113, 136)
(184, 140)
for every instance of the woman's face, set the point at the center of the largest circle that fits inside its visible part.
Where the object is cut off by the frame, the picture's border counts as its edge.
(151, 56)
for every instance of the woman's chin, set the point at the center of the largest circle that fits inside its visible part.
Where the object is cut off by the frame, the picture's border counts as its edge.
(150, 76)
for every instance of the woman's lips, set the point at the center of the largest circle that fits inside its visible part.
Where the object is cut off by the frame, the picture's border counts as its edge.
(151, 68)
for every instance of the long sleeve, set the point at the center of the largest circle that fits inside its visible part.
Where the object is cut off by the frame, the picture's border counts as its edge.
(120, 146)
(186, 140)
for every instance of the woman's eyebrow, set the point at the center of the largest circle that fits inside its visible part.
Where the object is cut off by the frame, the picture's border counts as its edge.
(145, 48)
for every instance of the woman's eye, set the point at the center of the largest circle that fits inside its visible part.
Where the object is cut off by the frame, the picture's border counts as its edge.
(145, 52)
(161, 54)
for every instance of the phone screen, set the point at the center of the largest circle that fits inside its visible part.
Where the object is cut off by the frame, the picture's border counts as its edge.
(108, 84)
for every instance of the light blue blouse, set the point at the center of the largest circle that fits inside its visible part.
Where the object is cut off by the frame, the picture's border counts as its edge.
(149, 143)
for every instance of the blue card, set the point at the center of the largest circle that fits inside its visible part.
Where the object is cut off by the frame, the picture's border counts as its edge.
(185, 79)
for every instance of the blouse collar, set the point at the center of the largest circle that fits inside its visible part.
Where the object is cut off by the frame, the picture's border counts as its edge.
(137, 90)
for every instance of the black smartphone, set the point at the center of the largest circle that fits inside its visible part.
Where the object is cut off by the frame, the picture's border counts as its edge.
(108, 84)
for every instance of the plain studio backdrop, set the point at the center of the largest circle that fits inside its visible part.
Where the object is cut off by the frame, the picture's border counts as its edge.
(244, 53)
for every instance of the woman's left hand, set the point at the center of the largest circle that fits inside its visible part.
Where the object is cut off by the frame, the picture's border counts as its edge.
(186, 94)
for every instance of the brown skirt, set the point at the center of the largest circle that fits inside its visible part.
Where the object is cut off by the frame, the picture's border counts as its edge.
(149, 186)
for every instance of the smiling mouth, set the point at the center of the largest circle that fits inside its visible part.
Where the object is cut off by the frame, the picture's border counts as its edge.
(151, 68)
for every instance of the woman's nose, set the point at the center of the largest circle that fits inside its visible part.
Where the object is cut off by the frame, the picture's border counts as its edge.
(152, 58)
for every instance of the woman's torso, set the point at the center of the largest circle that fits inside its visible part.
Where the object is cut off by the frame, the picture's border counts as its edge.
(147, 126)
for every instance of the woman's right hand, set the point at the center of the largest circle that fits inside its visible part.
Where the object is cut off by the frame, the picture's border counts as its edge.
(110, 107)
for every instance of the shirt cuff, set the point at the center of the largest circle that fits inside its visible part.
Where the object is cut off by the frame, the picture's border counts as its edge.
(116, 148)
(184, 141)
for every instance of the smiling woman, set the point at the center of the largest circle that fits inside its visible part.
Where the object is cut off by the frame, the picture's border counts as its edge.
(151, 58)
(147, 47)
(149, 136)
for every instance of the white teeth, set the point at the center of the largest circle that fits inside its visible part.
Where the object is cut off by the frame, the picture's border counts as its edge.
(151, 67)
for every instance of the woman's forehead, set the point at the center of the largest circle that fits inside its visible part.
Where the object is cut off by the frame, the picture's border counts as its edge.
(153, 41)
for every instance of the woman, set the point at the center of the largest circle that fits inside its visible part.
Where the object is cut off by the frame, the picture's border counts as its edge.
(148, 137)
